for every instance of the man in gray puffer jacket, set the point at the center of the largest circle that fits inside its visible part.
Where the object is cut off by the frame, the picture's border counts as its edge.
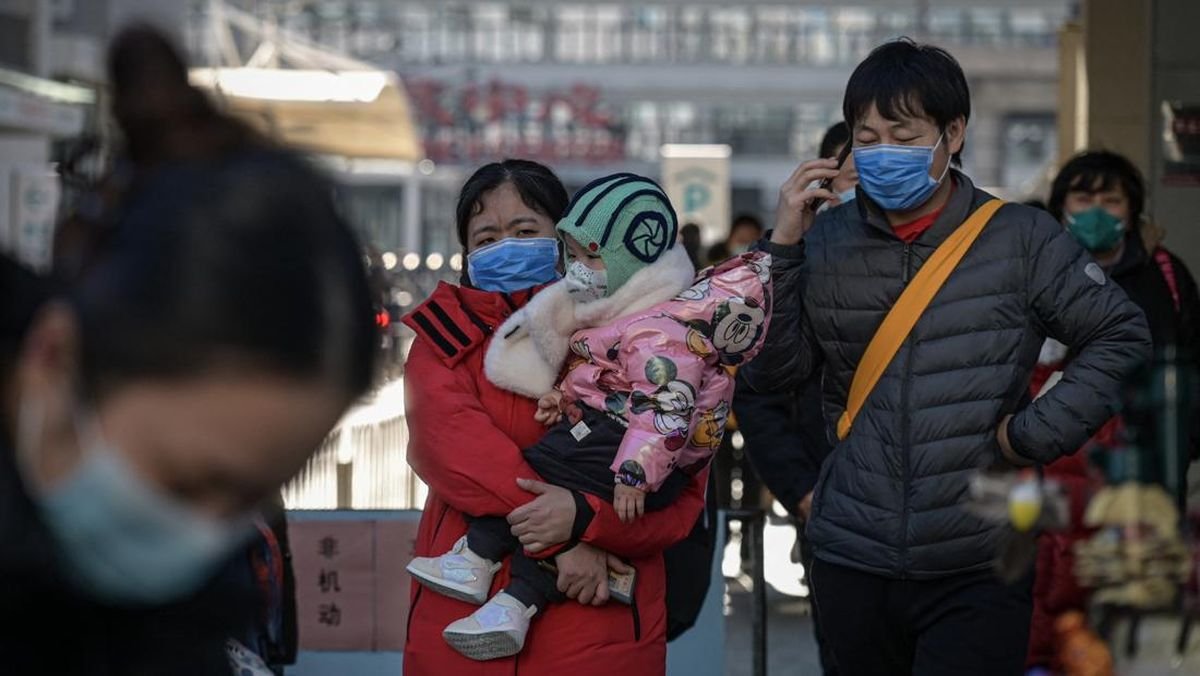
(903, 573)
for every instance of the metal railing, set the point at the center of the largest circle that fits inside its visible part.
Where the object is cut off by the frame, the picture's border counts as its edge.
(362, 463)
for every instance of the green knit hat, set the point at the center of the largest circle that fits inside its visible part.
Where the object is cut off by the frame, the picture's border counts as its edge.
(625, 218)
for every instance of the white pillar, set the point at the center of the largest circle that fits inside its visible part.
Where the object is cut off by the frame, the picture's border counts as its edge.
(40, 22)
(411, 237)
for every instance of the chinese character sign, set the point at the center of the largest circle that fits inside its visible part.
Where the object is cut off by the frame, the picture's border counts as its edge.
(335, 583)
(352, 588)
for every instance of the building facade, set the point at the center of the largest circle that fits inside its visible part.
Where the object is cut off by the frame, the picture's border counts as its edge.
(598, 87)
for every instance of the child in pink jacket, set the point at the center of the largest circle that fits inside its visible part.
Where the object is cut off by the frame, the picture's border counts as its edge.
(646, 392)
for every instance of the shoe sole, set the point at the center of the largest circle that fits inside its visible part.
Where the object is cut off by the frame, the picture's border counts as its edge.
(454, 590)
(491, 645)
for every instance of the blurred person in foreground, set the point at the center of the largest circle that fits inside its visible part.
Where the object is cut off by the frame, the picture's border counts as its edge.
(745, 230)
(784, 432)
(903, 573)
(1100, 198)
(466, 439)
(163, 389)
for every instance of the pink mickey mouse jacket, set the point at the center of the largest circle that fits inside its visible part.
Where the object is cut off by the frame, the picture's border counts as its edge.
(654, 355)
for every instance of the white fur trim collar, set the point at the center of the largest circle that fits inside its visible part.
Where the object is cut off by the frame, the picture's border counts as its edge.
(529, 349)
(656, 283)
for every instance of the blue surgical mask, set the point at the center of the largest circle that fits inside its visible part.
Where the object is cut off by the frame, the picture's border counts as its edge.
(897, 177)
(124, 541)
(514, 264)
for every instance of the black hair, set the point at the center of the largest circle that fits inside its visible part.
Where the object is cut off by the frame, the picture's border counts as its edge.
(1094, 171)
(744, 219)
(835, 137)
(690, 234)
(220, 249)
(537, 185)
(905, 79)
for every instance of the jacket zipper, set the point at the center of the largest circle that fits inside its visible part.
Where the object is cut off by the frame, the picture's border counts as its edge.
(637, 619)
(905, 449)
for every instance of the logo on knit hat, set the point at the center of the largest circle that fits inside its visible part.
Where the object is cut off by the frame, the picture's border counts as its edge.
(648, 236)
(626, 219)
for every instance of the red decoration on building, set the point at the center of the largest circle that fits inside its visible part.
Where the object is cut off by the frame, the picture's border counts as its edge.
(469, 122)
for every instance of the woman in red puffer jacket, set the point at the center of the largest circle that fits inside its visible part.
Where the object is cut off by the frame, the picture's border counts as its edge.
(466, 441)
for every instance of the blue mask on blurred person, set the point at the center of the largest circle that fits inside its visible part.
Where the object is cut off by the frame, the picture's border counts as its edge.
(897, 177)
(122, 540)
(514, 264)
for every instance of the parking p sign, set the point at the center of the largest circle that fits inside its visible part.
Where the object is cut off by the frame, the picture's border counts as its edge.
(696, 178)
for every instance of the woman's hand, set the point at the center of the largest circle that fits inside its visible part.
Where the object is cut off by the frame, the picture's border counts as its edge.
(583, 574)
(547, 520)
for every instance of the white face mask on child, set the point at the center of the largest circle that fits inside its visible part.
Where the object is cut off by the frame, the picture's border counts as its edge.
(585, 284)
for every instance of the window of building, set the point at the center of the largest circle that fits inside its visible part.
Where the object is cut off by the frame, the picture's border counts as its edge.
(1029, 146)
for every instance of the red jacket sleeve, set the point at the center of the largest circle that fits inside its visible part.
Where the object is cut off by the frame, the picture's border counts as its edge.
(653, 532)
(454, 446)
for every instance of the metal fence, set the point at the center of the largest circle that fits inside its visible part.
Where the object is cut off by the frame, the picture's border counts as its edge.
(361, 464)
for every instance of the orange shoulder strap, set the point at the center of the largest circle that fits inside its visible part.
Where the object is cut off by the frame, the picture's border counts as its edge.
(903, 316)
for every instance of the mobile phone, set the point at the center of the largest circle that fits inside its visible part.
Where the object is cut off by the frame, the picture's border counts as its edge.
(826, 183)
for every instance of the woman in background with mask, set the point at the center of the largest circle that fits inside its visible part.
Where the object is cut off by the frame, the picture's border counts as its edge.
(214, 326)
(1100, 198)
(466, 437)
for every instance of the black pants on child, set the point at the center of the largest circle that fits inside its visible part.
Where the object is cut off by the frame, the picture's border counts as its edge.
(972, 623)
(577, 464)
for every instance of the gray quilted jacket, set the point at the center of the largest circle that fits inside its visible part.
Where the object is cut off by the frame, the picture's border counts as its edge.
(889, 499)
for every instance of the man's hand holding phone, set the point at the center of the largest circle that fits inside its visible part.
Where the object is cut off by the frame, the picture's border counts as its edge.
(799, 198)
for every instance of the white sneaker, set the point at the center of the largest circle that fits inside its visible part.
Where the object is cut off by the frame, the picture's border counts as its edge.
(459, 573)
(494, 631)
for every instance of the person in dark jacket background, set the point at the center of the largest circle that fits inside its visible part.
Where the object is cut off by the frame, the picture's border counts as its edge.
(1100, 198)
(745, 230)
(689, 236)
(784, 432)
(903, 573)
